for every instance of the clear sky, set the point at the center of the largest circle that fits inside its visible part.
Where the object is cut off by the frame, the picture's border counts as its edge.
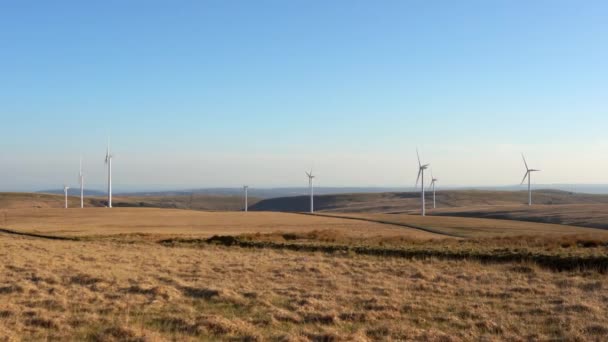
(224, 93)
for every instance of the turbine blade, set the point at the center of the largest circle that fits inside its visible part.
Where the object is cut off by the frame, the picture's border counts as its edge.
(525, 175)
(418, 155)
(418, 178)
(525, 163)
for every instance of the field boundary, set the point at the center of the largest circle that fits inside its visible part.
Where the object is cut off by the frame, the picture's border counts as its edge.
(40, 236)
(425, 229)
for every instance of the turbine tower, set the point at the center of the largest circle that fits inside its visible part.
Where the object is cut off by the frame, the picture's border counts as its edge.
(528, 174)
(432, 185)
(245, 188)
(65, 192)
(310, 178)
(421, 169)
(81, 181)
(109, 163)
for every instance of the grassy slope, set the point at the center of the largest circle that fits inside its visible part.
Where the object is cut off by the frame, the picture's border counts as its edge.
(409, 202)
(103, 221)
(587, 215)
(109, 291)
(476, 227)
(557, 207)
(106, 289)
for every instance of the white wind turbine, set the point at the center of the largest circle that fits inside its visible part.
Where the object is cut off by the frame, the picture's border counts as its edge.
(421, 169)
(65, 192)
(528, 174)
(109, 163)
(245, 188)
(310, 178)
(432, 185)
(81, 181)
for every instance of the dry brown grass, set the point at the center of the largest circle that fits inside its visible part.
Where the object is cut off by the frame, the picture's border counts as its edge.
(585, 215)
(477, 227)
(99, 290)
(104, 221)
(118, 284)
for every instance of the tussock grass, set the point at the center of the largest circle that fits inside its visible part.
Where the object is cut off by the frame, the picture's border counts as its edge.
(102, 290)
(302, 278)
(562, 253)
(471, 227)
(102, 221)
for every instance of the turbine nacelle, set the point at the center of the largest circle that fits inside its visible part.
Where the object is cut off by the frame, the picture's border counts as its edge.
(528, 170)
(421, 168)
(420, 172)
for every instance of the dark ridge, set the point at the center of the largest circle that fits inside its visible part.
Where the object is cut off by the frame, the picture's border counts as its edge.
(41, 236)
(507, 215)
(428, 230)
(408, 201)
(552, 262)
(326, 202)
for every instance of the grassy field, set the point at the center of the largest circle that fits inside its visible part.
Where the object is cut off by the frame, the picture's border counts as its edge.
(585, 215)
(145, 274)
(557, 207)
(467, 227)
(112, 291)
(104, 221)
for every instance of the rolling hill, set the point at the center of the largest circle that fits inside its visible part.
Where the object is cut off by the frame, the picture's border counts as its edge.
(586, 215)
(551, 206)
(404, 202)
(17, 200)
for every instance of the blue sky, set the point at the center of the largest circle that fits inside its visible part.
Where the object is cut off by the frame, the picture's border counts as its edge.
(222, 93)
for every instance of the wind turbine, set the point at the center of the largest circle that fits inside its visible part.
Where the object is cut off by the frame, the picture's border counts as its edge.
(421, 169)
(528, 174)
(65, 192)
(109, 163)
(81, 181)
(310, 178)
(245, 188)
(432, 185)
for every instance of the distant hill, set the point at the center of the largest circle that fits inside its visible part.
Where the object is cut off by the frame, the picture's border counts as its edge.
(399, 202)
(266, 193)
(21, 200)
(262, 192)
(74, 192)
